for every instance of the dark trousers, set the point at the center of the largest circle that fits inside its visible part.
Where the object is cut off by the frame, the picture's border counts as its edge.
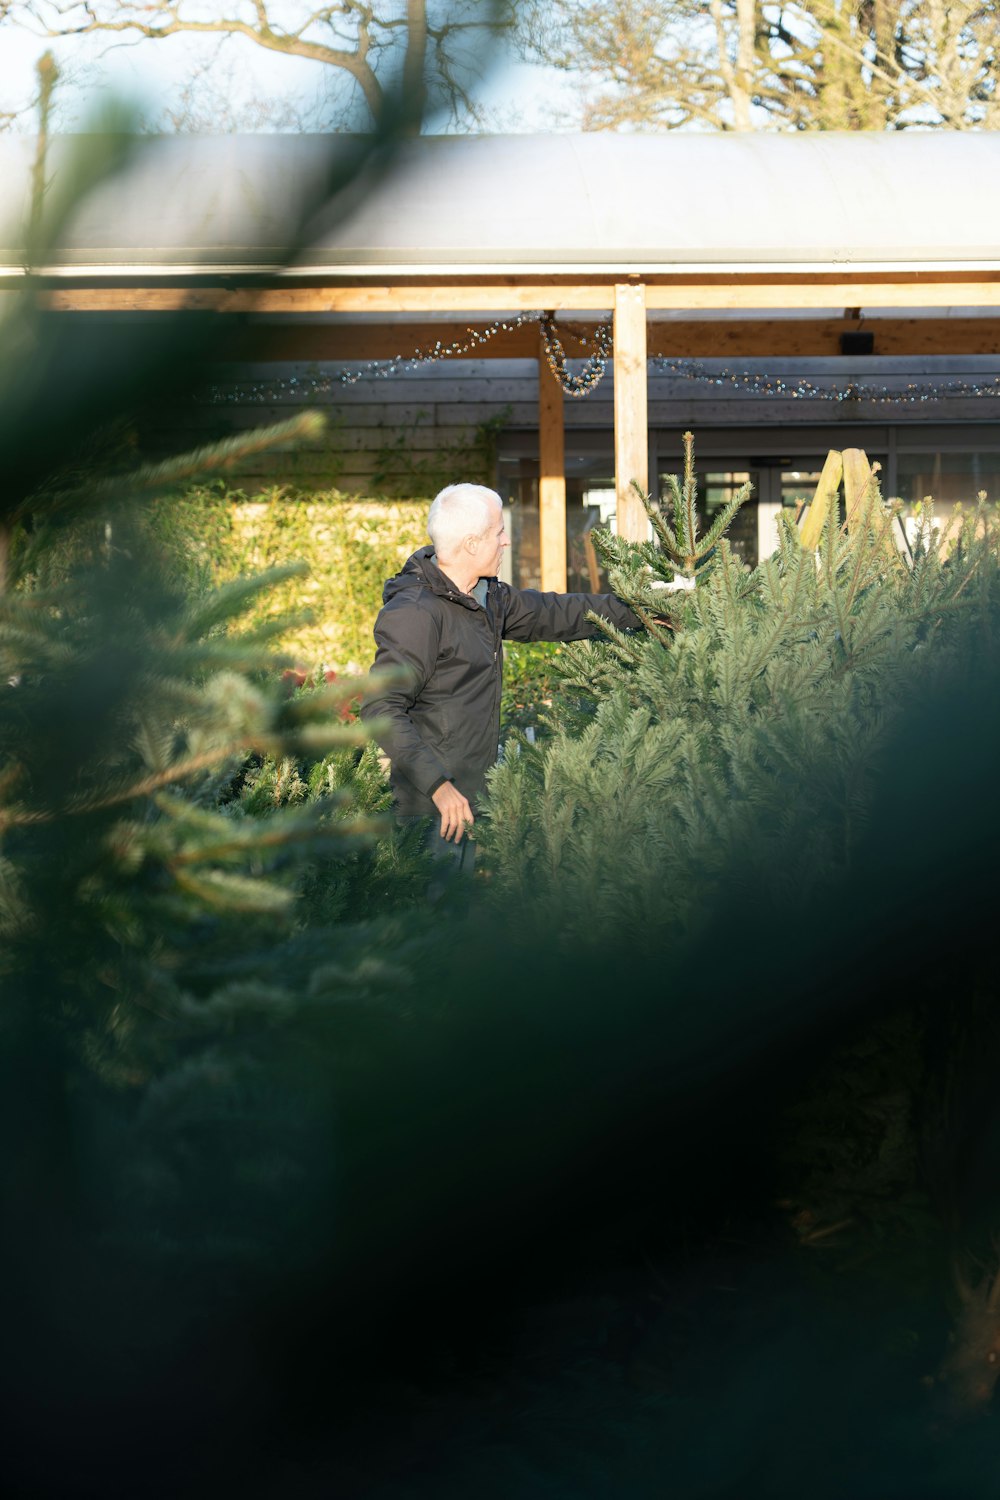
(456, 859)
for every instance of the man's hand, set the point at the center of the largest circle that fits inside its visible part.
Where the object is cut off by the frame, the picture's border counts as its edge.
(456, 814)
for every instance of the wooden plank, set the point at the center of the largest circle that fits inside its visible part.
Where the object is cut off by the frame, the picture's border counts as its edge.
(551, 475)
(857, 483)
(263, 344)
(683, 293)
(392, 392)
(257, 414)
(815, 514)
(631, 425)
(791, 338)
(772, 413)
(868, 293)
(515, 413)
(859, 490)
(423, 439)
(747, 339)
(426, 438)
(369, 298)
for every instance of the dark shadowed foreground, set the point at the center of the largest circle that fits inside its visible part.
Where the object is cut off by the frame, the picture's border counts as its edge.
(518, 1211)
(401, 1203)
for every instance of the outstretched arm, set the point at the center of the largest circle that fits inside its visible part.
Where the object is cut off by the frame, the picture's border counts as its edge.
(530, 615)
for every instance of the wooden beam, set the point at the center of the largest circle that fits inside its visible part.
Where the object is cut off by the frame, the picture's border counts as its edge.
(681, 293)
(791, 338)
(631, 426)
(745, 338)
(787, 338)
(859, 495)
(551, 474)
(807, 294)
(354, 299)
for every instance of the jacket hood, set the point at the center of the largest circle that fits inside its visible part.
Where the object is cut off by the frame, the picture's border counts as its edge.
(421, 571)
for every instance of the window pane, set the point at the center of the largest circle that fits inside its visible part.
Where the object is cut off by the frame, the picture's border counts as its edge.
(798, 486)
(947, 477)
(715, 490)
(590, 502)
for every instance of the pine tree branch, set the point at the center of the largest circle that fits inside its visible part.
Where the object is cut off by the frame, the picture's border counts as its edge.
(232, 599)
(658, 521)
(260, 837)
(82, 805)
(725, 518)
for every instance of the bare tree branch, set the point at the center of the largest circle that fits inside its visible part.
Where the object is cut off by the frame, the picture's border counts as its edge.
(745, 64)
(364, 43)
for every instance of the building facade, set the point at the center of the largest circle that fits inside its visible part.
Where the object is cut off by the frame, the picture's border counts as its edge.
(577, 303)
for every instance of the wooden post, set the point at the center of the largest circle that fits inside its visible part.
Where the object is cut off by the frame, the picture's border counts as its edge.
(860, 508)
(857, 485)
(631, 426)
(812, 522)
(551, 476)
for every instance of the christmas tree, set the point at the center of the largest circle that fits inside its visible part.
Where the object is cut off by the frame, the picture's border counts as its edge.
(752, 706)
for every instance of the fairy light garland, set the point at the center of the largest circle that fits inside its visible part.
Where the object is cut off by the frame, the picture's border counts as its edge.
(595, 364)
(475, 338)
(914, 393)
(600, 340)
(372, 369)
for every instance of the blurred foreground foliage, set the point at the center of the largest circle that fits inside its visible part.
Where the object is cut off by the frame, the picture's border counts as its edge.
(289, 1154)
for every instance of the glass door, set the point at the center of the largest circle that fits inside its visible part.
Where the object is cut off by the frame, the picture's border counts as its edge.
(716, 488)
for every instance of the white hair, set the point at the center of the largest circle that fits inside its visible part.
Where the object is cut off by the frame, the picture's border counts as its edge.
(461, 510)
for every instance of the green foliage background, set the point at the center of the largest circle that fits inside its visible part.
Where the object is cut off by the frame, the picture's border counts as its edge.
(351, 545)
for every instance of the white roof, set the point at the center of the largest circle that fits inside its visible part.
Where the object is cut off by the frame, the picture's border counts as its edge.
(537, 204)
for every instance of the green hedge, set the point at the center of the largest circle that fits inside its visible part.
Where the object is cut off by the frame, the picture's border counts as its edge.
(351, 545)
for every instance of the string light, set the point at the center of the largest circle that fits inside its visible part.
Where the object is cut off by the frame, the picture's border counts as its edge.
(914, 393)
(372, 369)
(601, 340)
(596, 363)
(308, 386)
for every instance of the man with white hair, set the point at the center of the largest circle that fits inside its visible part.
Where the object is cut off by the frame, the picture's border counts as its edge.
(442, 624)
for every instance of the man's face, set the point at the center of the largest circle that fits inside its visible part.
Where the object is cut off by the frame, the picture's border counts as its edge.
(492, 547)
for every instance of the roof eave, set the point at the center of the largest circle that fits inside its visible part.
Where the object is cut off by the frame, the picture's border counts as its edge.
(529, 270)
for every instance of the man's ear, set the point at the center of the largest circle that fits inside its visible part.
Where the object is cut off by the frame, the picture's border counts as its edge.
(471, 544)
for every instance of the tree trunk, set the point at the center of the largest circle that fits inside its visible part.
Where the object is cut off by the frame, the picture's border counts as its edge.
(737, 77)
(414, 79)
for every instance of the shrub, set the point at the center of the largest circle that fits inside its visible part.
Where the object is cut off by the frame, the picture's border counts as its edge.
(530, 680)
(350, 545)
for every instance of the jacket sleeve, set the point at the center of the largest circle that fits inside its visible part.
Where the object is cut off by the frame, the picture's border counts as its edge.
(407, 641)
(532, 616)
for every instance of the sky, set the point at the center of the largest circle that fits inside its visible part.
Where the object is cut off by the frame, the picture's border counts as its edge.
(516, 96)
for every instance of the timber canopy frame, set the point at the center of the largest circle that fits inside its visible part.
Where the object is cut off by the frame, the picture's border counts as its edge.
(825, 235)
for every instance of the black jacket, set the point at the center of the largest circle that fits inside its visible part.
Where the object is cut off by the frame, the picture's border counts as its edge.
(442, 717)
